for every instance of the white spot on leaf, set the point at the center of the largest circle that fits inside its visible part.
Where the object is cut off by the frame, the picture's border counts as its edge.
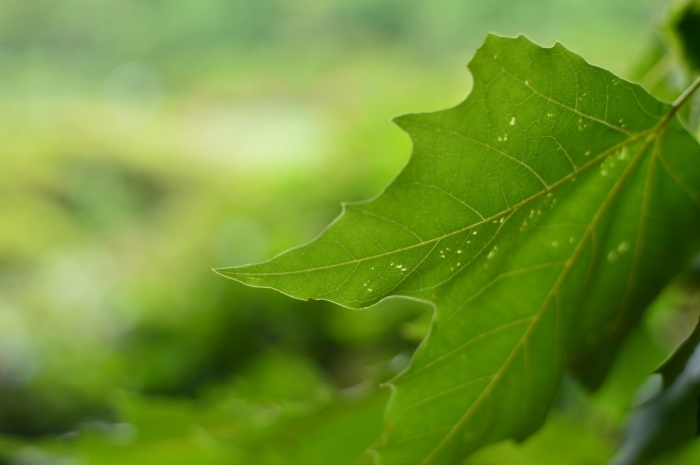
(623, 247)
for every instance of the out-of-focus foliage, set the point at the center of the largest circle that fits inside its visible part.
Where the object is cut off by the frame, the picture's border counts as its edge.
(220, 428)
(671, 417)
(687, 28)
(670, 62)
(145, 142)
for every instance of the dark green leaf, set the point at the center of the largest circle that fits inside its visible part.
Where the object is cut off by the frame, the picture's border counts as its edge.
(687, 29)
(675, 365)
(671, 418)
(539, 217)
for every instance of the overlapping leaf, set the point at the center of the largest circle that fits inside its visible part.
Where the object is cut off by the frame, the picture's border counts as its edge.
(539, 217)
(671, 418)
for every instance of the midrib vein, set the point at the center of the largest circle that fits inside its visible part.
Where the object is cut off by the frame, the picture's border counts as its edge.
(657, 157)
(231, 272)
(545, 305)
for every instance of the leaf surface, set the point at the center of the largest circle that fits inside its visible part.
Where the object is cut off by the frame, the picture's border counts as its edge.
(538, 217)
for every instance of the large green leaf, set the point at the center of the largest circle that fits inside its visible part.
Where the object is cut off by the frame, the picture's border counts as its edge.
(539, 217)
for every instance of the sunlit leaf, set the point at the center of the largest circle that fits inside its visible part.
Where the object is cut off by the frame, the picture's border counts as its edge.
(539, 217)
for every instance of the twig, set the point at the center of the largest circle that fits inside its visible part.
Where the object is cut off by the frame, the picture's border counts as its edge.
(686, 95)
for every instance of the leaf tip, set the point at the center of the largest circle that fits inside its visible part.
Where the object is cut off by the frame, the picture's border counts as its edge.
(229, 273)
(402, 121)
(220, 271)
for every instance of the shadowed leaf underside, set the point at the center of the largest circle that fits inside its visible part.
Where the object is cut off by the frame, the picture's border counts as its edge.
(538, 217)
(671, 418)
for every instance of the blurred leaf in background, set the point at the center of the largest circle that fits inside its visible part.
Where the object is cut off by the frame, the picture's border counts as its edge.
(687, 28)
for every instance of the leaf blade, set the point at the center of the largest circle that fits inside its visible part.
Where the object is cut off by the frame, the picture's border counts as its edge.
(510, 207)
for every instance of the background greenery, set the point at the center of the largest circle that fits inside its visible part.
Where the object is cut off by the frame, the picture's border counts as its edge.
(145, 142)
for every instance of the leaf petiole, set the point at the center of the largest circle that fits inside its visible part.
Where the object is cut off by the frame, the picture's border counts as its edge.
(685, 96)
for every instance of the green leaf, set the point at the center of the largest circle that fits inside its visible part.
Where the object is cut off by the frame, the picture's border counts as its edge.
(686, 26)
(561, 441)
(674, 366)
(538, 217)
(227, 430)
(671, 418)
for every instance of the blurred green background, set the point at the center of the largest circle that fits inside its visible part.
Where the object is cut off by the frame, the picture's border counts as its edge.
(145, 142)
